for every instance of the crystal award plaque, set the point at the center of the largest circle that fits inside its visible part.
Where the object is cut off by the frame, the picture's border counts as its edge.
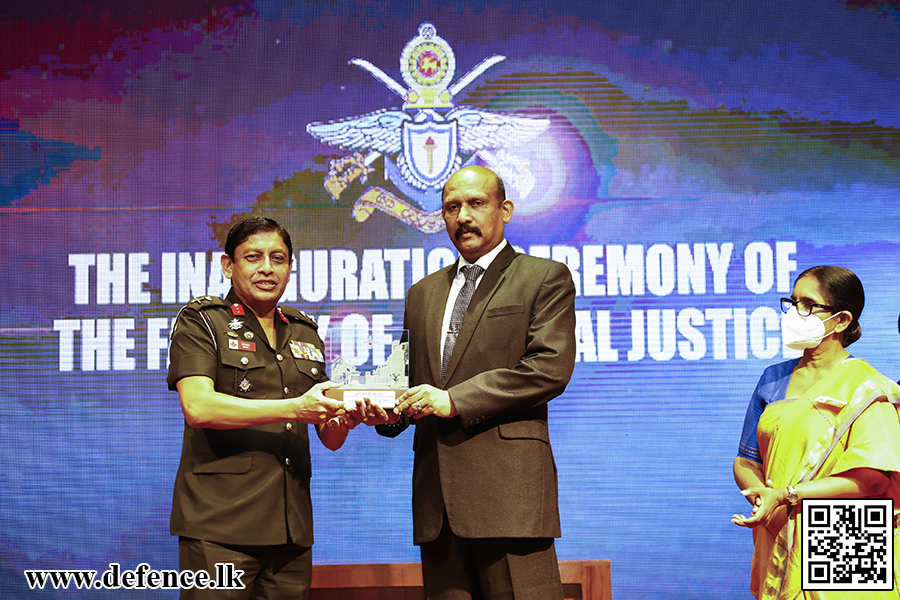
(368, 365)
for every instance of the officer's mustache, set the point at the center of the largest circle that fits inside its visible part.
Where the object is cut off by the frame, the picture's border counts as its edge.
(467, 229)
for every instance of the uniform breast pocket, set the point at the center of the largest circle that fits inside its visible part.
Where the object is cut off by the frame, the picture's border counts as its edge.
(245, 367)
(242, 360)
(313, 369)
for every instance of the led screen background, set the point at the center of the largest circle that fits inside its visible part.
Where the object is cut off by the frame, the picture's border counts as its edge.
(693, 158)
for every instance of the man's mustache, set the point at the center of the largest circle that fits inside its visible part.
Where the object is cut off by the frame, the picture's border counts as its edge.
(467, 229)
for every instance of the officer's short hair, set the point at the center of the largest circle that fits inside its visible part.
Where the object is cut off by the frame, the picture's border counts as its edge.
(242, 231)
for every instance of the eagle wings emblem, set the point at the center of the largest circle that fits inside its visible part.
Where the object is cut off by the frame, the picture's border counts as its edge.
(424, 143)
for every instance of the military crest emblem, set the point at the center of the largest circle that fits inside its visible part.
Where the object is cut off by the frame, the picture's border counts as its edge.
(430, 150)
(430, 138)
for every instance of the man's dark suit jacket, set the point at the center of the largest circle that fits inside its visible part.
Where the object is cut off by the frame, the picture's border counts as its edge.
(491, 466)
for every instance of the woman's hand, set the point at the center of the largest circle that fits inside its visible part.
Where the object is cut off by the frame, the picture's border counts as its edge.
(766, 502)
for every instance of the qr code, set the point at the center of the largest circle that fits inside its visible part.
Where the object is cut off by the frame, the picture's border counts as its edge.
(847, 544)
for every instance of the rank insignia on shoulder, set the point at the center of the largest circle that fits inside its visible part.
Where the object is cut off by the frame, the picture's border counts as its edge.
(289, 312)
(204, 302)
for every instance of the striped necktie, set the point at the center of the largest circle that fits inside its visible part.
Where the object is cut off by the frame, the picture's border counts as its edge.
(471, 274)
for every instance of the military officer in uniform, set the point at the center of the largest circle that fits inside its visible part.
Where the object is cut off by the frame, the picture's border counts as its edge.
(250, 376)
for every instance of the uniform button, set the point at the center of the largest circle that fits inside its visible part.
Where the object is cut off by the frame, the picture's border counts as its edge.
(288, 426)
(244, 360)
(286, 391)
(287, 461)
(314, 371)
(279, 357)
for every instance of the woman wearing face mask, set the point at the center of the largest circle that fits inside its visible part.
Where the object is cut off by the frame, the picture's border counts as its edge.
(824, 425)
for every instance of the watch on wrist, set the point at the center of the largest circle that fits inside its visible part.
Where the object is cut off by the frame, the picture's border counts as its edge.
(792, 496)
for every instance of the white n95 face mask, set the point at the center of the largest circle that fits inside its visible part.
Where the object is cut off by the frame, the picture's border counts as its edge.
(800, 333)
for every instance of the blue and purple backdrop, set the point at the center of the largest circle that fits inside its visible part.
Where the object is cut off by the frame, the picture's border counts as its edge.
(685, 159)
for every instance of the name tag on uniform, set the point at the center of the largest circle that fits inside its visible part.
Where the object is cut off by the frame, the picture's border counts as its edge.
(306, 351)
(242, 345)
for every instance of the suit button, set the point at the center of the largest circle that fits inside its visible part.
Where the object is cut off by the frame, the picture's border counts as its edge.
(288, 426)
(279, 357)
(287, 461)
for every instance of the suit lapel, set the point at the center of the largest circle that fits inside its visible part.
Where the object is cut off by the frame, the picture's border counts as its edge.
(490, 282)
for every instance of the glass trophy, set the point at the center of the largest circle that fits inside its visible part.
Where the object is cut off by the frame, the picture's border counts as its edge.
(373, 365)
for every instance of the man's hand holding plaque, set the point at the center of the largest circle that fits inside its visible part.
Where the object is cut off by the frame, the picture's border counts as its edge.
(424, 400)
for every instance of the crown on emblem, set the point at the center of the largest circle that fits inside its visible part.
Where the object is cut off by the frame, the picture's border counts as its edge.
(427, 64)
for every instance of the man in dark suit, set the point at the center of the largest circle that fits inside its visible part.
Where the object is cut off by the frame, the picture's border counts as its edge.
(250, 375)
(490, 346)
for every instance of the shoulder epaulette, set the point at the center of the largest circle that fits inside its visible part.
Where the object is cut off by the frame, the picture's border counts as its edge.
(204, 302)
(298, 315)
(199, 304)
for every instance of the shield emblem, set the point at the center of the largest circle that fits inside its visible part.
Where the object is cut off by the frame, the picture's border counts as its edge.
(430, 149)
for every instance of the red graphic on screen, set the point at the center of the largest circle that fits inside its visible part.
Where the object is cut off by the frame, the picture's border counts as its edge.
(428, 63)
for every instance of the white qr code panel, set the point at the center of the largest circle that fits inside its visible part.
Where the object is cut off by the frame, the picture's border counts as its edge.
(847, 544)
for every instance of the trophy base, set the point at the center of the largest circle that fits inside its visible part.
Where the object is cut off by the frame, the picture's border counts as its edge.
(383, 397)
